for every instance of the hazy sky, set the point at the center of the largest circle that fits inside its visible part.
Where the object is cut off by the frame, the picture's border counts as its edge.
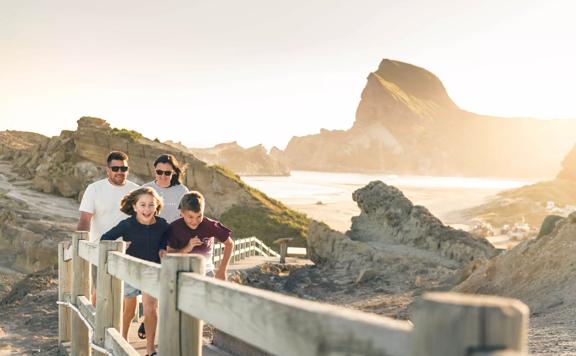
(262, 71)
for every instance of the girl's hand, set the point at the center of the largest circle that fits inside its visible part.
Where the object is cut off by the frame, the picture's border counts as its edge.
(162, 253)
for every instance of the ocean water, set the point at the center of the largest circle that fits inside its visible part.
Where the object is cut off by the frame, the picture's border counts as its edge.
(309, 187)
(328, 196)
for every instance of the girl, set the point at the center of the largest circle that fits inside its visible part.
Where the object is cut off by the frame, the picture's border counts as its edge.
(144, 231)
(168, 184)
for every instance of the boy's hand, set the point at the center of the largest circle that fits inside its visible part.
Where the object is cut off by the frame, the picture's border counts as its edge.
(162, 253)
(193, 243)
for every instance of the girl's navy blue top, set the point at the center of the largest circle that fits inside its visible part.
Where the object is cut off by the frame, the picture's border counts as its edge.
(146, 240)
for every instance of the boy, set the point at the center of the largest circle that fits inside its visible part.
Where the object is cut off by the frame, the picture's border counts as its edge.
(195, 233)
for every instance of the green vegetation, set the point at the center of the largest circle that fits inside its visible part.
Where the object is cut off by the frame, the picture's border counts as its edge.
(130, 135)
(267, 225)
(272, 221)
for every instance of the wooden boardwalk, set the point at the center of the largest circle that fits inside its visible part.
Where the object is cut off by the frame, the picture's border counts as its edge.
(445, 324)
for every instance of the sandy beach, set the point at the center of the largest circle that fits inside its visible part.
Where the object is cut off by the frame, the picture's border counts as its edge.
(328, 196)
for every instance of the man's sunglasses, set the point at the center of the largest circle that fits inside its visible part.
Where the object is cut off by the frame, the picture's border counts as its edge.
(166, 173)
(119, 168)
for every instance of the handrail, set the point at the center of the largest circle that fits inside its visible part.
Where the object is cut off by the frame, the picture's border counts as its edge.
(284, 325)
(273, 322)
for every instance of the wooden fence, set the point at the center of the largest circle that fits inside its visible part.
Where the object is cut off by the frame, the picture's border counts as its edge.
(446, 324)
(243, 248)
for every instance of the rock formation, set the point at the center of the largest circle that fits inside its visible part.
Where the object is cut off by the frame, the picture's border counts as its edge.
(65, 164)
(407, 123)
(396, 244)
(539, 272)
(31, 223)
(386, 215)
(253, 161)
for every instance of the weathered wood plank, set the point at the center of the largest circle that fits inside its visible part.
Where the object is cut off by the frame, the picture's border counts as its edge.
(109, 294)
(138, 273)
(68, 253)
(87, 310)
(180, 334)
(80, 287)
(64, 288)
(89, 252)
(296, 251)
(290, 326)
(115, 343)
(448, 324)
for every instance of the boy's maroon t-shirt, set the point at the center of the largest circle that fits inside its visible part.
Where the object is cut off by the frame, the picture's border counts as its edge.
(179, 234)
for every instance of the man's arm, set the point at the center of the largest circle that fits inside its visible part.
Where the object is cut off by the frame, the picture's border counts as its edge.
(84, 222)
(223, 267)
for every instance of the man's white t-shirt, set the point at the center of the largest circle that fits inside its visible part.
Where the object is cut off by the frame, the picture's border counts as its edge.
(102, 200)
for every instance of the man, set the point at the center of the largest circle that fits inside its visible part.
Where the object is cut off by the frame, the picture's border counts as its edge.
(100, 206)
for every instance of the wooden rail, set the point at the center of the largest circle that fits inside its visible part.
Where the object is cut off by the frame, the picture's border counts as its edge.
(445, 324)
(243, 248)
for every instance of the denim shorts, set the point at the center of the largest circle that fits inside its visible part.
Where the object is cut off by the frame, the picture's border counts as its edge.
(131, 292)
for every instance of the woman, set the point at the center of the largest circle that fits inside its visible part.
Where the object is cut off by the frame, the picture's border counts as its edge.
(168, 184)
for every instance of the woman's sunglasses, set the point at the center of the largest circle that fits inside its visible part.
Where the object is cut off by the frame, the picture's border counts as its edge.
(166, 173)
(118, 168)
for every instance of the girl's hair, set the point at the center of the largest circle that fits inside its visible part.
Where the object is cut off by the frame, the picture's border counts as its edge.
(127, 203)
(178, 175)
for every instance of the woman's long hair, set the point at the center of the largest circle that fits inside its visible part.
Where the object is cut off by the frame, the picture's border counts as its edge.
(178, 175)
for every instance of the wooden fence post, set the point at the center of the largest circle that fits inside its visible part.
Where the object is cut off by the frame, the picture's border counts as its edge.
(452, 324)
(180, 334)
(109, 294)
(64, 288)
(80, 286)
(283, 247)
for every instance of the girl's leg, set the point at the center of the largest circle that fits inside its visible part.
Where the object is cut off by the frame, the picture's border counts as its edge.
(129, 311)
(150, 321)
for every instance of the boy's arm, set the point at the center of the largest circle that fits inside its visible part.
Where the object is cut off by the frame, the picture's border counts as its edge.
(188, 248)
(223, 267)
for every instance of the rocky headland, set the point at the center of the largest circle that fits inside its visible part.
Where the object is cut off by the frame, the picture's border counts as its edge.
(532, 203)
(252, 161)
(406, 123)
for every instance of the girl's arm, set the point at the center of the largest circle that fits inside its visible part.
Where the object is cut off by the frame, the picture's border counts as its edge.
(115, 232)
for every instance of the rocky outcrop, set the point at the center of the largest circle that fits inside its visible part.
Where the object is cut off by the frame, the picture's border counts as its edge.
(253, 161)
(531, 203)
(64, 165)
(388, 216)
(31, 223)
(539, 272)
(407, 123)
(396, 243)
(402, 267)
(13, 141)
